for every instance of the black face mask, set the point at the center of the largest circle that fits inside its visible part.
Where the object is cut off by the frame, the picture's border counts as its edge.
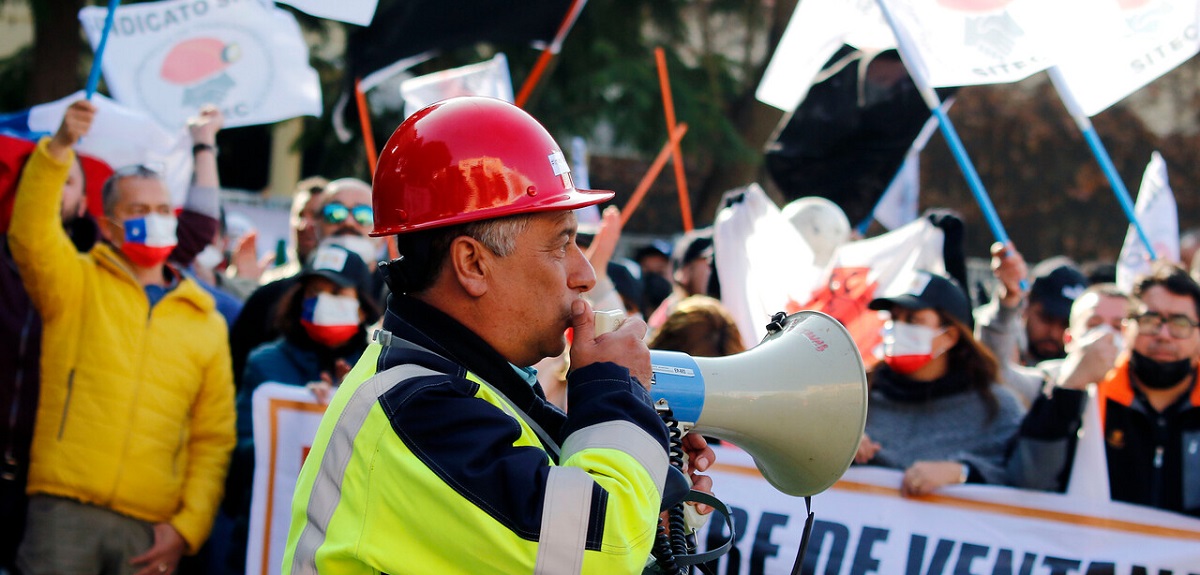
(1157, 374)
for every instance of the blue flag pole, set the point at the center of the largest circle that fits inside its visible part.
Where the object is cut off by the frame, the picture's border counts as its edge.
(948, 132)
(1098, 150)
(94, 75)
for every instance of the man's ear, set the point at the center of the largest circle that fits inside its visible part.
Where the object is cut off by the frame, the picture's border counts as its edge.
(110, 231)
(470, 262)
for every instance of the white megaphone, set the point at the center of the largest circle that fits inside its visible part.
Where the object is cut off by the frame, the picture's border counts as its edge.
(796, 402)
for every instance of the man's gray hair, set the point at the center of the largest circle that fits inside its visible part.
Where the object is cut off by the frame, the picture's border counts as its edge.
(109, 193)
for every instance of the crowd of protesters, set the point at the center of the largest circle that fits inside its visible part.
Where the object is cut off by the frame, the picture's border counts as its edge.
(132, 341)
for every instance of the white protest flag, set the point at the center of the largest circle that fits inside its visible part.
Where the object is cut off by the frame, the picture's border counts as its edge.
(899, 203)
(762, 261)
(970, 42)
(170, 58)
(1121, 45)
(863, 270)
(488, 78)
(817, 29)
(1158, 215)
(359, 12)
(1089, 470)
(124, 137)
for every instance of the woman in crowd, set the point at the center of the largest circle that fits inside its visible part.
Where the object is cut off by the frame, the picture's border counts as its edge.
(936, 409)
(323, 320)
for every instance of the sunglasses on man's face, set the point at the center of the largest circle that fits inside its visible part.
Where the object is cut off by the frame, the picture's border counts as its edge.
(337, 212)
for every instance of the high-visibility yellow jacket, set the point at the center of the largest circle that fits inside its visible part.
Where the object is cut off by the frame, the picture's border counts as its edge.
(136, 411)
(423, 464)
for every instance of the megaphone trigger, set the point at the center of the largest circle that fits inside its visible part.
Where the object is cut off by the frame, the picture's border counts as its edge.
(608, 320)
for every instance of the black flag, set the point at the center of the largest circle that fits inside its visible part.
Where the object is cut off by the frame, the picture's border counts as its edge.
(849, 136)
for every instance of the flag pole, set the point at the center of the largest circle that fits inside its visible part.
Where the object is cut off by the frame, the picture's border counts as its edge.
(364, 119)
(685, 204)
(949, 133)
(548, 53)
(1101, 153)
(655, 168)
(94, 75)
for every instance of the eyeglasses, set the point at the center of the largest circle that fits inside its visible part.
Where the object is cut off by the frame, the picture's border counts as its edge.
(337, 212)
(1178, 326)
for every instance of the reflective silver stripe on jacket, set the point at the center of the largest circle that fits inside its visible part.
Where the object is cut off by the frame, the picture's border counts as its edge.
(565, 519)
(327, 487)
(622, 436)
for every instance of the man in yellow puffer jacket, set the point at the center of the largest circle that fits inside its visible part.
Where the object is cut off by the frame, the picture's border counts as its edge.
(136, 421)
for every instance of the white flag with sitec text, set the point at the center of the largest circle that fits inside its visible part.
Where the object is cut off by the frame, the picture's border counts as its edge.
(1123, 45)
(970, 42)
(1158, 215)
(170, 58)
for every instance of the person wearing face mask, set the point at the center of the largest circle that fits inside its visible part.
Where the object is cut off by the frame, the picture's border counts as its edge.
(322, 320)
(1149, 406)
(135, 422)
(343, 215)
(936, 409)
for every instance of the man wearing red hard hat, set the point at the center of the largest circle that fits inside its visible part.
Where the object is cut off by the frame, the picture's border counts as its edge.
(440, 453)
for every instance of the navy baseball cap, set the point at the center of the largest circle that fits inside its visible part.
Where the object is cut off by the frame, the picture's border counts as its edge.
(931, 291)
(338, 265)
(1056, 284)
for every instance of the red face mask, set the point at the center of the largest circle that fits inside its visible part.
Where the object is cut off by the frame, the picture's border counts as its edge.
(149, 240)
(908, 347)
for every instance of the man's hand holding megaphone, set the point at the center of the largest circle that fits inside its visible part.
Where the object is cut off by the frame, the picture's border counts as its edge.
(626, 346)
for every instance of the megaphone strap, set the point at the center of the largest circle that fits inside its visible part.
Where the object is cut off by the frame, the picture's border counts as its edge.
(712, 554)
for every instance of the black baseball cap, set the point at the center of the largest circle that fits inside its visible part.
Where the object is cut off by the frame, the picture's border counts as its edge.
(1056, 284)
(931, 291)
(692, 246)
(338, 265)
(656, 247)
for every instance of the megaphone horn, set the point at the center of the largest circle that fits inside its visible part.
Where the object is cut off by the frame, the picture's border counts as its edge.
(796, 402)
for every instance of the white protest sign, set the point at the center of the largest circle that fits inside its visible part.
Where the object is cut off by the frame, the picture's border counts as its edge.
(170, 58)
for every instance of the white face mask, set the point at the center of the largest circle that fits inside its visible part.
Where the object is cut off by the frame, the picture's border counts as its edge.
(365, 248)
(209, 258)
(908, 347)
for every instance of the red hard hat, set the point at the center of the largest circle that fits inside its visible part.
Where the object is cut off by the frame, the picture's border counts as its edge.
(467, 159)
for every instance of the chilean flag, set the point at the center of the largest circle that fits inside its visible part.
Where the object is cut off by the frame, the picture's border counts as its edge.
(119, 137)
(15, 150)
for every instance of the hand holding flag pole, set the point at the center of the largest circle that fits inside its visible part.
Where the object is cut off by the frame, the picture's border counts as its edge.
(94, 74)
(1097, 146)
(948, 132)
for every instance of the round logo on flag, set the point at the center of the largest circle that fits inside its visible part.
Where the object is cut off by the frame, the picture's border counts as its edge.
(227, 66)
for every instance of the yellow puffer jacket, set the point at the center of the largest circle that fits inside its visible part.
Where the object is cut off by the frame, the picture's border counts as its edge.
(136, 411)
